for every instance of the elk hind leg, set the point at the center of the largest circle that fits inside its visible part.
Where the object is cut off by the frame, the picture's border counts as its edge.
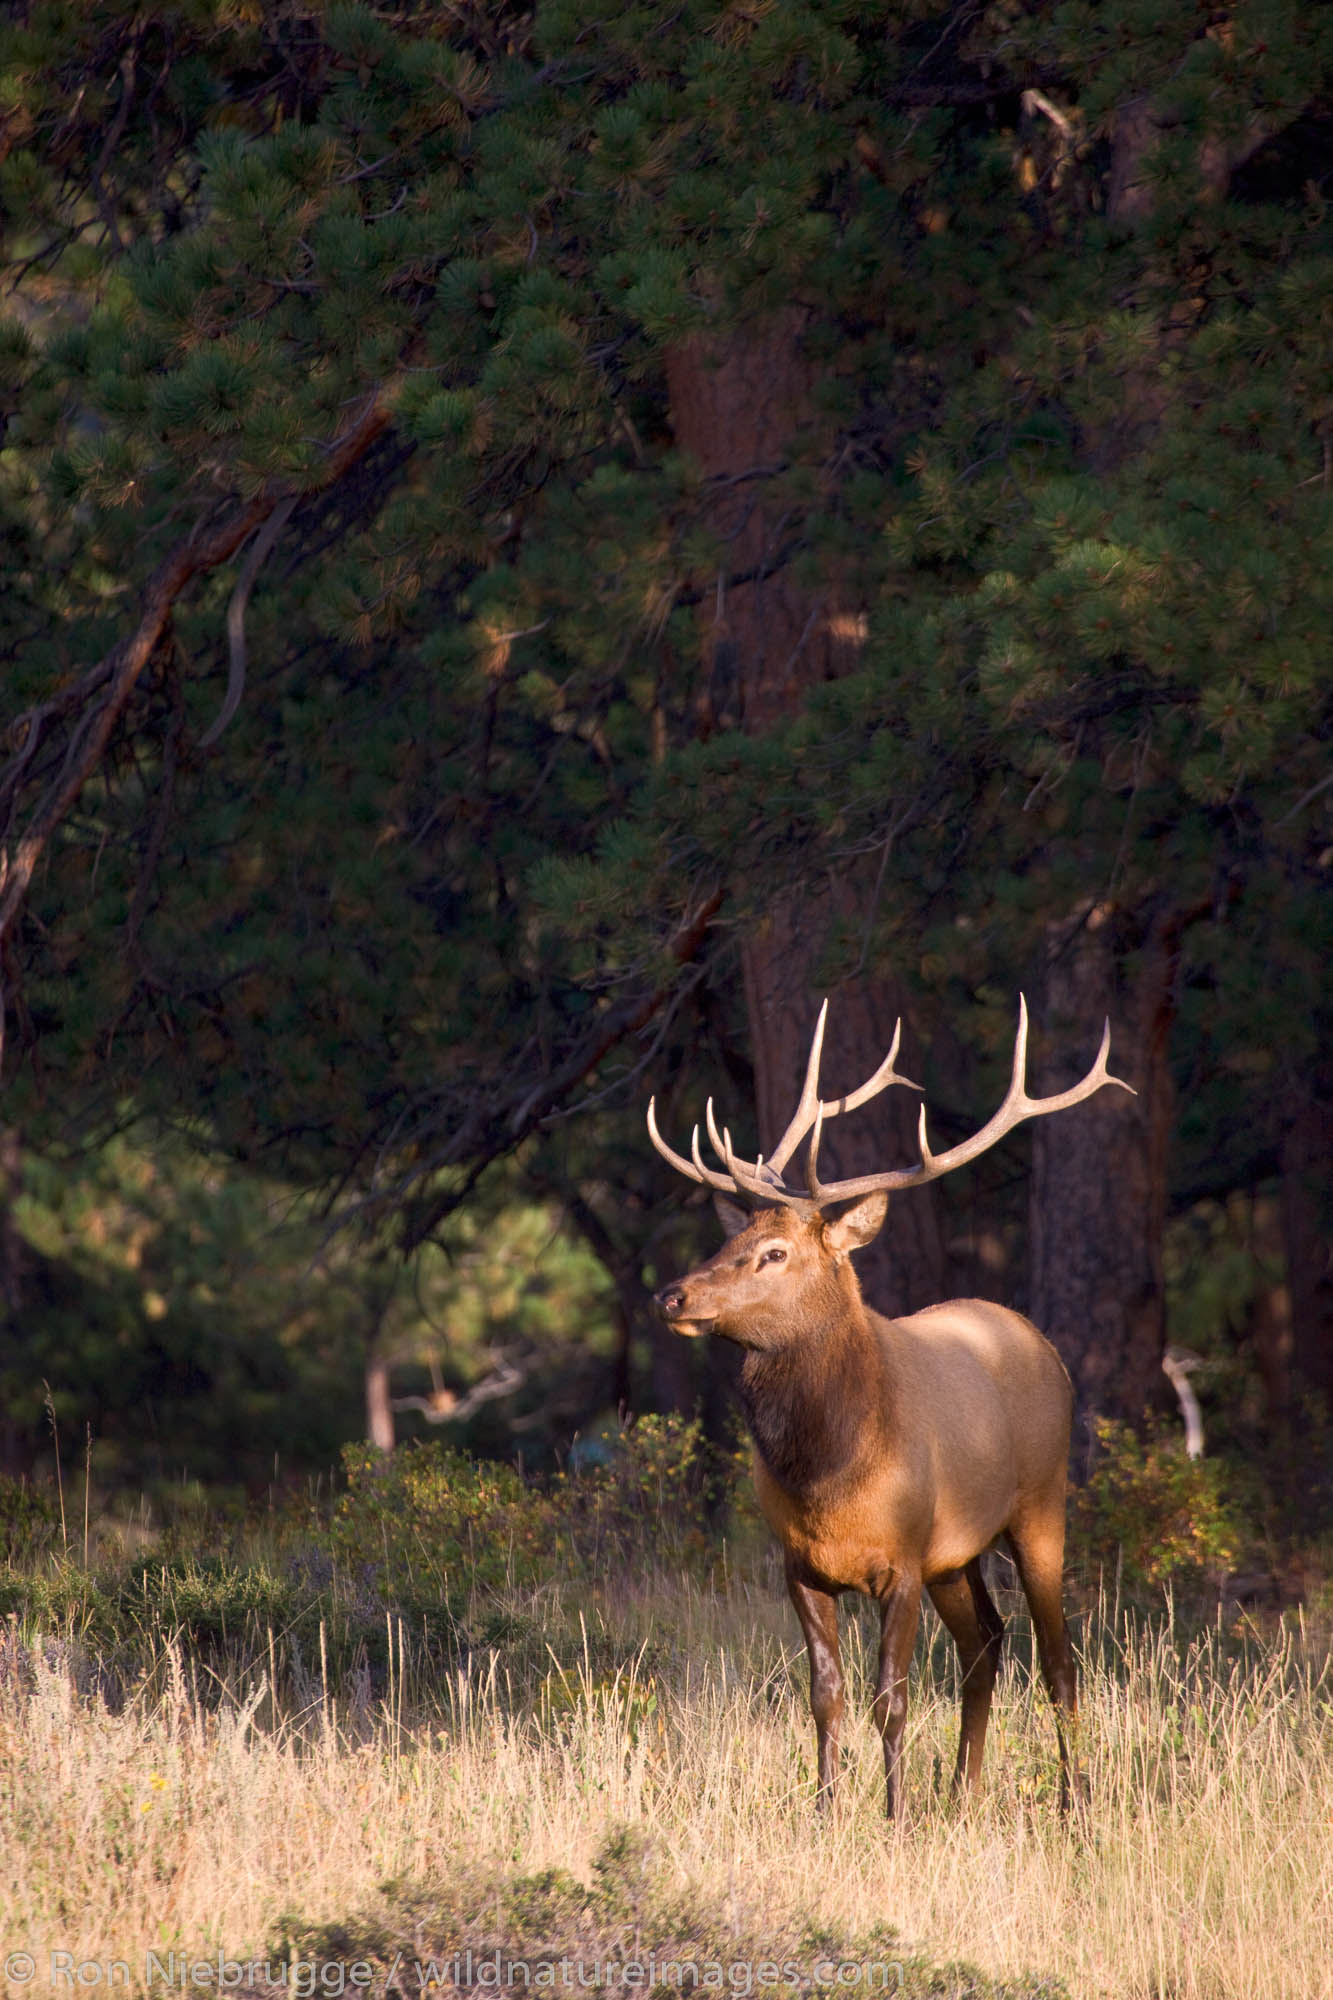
(818, 1612)
(969, 1614)
(1037, 1546)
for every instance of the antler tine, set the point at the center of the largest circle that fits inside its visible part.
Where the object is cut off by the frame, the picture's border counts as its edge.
(709, 1175)
(1016, 1108)
(883, 1077)
(1095, 1078)
(752, 1180)
(805, 1110)
(811, 1106)
(923, 1145)
(812, 1158)
(758, 1180)
(714, 1136)
(1018, 1075)
(696, 1171)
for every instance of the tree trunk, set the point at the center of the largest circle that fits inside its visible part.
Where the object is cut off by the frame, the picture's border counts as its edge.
(13, 1272)
(1098, 1202)
(741, 404)
(379, 1408)
(1306, 1200)
(904, 1268)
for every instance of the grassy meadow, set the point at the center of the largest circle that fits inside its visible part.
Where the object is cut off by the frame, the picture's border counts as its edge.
(596, 1747)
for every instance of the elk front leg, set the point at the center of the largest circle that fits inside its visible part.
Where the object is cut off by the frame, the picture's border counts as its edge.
(899, 1610)
(818, 1612)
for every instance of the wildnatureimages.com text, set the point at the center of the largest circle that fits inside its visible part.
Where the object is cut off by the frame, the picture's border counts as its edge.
(326, 1979)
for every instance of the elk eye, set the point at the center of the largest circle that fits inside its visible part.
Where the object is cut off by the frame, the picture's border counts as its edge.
(777, 1255)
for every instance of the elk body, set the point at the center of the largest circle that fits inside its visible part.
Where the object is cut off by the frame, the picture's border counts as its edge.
(889, 1453)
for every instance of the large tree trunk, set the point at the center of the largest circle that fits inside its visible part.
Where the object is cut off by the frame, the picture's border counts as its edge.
(13, 1273)
(904, 1268)
(1098, 1199)
(1098, 1202)
(1307, 1230)
(741, 404)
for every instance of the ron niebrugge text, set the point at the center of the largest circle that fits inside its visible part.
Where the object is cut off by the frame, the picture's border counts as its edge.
(325, 1979)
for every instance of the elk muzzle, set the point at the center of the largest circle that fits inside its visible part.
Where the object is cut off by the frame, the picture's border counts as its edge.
(673, 1304)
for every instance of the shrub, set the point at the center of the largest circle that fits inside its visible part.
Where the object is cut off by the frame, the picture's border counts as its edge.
(1160, 1513)
(29, 1521)
(649, 1504)
(426, 1527)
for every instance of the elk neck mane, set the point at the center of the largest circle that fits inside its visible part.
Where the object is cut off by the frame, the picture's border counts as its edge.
(815, 1402)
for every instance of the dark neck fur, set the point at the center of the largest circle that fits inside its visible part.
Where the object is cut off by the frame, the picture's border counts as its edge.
(808, 1402)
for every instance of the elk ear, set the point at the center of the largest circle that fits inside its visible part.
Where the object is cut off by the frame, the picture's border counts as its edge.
(731, 1215)
(857, 1225)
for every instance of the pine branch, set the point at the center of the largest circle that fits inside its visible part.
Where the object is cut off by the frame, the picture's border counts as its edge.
(494, 1129)
(91, 709)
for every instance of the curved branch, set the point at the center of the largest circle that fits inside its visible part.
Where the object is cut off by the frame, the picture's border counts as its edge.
(260, 551)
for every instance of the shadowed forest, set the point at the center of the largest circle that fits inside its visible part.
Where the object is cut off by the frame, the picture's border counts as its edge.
(537, 543)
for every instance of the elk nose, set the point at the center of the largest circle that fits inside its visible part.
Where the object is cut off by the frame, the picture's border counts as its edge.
(670, 1299)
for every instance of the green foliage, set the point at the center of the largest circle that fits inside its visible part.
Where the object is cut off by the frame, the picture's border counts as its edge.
(237, 1616)
(29, 1520)
(427, 1528)
(655, 1502)
(195, 1323)
(1154, 1512)
(425, 1548)
(434, 1533)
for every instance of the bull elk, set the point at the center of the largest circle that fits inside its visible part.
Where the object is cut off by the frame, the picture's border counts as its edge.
(889, 1453)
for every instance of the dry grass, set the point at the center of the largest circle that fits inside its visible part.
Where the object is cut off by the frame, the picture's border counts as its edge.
(1202, 1869)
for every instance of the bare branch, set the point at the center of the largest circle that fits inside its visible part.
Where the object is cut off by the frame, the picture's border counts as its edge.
(1177, 1365)
(261, 549)
(442, 1406)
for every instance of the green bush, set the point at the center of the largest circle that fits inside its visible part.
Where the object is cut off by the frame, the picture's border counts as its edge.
(29, 1521)
(650, 1503)
(234, 1616)
(1158, 1513)
(425, 1528)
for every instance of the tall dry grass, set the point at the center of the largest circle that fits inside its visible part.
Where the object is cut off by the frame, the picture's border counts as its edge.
(206, 1819)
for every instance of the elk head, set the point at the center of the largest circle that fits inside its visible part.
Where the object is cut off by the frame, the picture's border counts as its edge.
(781, 1270)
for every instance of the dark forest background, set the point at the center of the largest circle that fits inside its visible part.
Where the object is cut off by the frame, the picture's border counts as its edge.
(539, 541)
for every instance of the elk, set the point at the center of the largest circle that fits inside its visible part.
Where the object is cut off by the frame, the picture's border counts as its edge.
(889, 1453)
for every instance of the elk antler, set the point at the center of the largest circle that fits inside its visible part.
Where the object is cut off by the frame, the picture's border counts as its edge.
(763, 1180)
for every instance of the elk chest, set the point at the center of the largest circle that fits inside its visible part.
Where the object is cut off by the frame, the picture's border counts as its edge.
(852, 1536)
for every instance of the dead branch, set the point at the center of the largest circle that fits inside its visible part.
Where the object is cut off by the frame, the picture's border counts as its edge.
(442, 1406)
